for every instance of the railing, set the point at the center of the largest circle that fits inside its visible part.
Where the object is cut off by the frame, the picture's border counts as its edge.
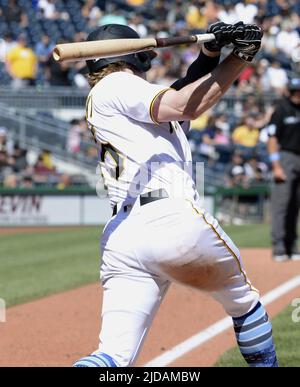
(46, 98)
(242, 205)
(42, 133)
(230, 205)
(49, 98)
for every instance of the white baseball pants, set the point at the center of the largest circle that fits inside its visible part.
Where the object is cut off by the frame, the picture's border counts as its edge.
(146, 249)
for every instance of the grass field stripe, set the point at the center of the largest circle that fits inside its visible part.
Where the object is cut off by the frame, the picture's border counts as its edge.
(217, 328)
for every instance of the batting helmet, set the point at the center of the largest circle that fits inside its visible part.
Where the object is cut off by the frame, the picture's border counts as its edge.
(140, 61)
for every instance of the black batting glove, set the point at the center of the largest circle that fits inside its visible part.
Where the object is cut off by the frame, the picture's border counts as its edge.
(246, 41)
(223, 33)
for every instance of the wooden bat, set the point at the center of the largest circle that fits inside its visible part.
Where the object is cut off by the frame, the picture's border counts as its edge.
(115, 47)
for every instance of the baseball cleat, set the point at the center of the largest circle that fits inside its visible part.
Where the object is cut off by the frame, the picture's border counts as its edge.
(280, 258)
(97, 359)
(295, 257)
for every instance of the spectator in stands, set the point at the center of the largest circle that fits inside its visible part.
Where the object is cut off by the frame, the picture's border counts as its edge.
(41, 167)
(44, 50)
(227, 13)
(255, 170)
(288, 38)
(27, 182)
(113, 16)
(236, 173)
(47, 159)
(64, 181)
(58, 73)
(136, 23)
(195, 16)
(7, 43)
(22, 63)
(12, 12)
(223, 124)
(92, 13)
(78, 127)
(11, 181)
(3, 160)
(24, 23)
(41, 171)
(276, 77)
(47, 7)
(19, 155)
(3, 138)
(246, 11)
(247, 134)
(215, 140)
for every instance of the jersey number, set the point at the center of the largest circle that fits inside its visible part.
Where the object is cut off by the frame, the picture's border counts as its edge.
(110, 155)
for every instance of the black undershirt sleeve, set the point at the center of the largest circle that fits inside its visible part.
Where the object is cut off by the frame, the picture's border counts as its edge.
(201, 66)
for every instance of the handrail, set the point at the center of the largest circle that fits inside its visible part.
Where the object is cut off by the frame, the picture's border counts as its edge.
(240, 191)
(48, 191)
(49, 98)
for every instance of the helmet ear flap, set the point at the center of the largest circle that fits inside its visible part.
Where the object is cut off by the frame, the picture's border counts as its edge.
(144, 60)
(142, 56)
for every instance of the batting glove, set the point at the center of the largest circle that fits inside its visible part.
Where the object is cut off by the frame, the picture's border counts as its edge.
(223, 36)
(246, 41)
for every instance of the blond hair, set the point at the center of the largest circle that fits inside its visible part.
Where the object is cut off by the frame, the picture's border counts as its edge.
(94, 78)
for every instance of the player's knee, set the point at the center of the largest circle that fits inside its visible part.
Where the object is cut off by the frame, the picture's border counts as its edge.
(237, 303)
(97, 359)
(236, 309)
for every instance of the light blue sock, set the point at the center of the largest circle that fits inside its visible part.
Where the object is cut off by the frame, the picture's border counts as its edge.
(253, 332)
(95, 360)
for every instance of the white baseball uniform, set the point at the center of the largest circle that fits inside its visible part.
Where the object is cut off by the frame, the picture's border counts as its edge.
(145, 247)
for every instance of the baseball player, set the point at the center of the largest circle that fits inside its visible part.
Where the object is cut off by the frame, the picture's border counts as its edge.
(158, 232)
(284, 150)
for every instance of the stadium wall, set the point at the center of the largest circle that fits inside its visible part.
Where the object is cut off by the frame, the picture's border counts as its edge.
(51, 207)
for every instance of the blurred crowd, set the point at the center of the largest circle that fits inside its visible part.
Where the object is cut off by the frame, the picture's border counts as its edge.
(20, 168)
(227, 141)
(32, 28)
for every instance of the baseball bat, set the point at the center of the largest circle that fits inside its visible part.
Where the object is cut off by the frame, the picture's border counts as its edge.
(115, 47)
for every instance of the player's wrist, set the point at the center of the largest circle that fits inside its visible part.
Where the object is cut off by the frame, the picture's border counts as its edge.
(237, 61)
(210, 54)
(245, 57)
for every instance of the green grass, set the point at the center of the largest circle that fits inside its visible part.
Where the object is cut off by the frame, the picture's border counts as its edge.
(33, 265)
(250, 235)
(286, 337)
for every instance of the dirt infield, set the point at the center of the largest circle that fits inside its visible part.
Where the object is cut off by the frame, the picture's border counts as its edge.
(61, 328)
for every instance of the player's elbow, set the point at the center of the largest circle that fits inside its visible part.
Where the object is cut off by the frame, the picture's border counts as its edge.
(190, 115)
(181, 106)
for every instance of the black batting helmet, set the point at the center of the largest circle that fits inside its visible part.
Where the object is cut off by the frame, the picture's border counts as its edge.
(140, 61)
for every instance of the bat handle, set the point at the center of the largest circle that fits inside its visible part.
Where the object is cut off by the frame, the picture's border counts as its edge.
(174, 41)
(203, 38)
